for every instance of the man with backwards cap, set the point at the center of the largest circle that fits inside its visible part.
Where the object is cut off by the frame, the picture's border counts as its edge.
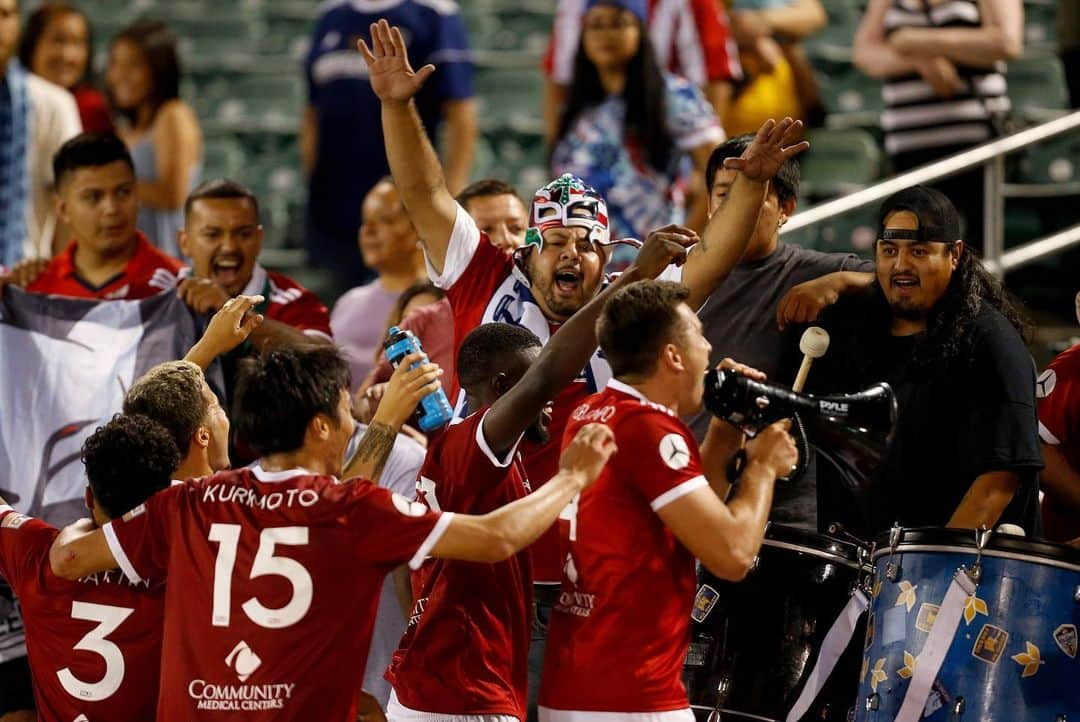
(567, 245)
(943, 333)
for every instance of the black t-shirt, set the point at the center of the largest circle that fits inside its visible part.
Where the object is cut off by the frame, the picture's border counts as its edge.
(959, 420)
(739, 320)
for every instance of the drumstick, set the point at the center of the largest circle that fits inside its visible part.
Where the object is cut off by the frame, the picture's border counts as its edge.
(813, 344)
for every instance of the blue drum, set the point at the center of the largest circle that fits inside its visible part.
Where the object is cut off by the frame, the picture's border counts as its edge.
(1013, 657)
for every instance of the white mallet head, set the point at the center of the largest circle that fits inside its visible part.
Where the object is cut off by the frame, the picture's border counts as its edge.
(1012, 529)
(814, 342)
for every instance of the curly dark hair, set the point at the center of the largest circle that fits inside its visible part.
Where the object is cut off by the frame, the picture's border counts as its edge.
(127, 461)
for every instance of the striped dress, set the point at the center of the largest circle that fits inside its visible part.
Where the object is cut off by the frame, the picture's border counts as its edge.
(915, 118)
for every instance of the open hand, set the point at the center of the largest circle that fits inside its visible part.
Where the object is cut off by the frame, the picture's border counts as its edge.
(589, 451)
(663, 247)
(392, 78)
(773, 145)
(230, 326)
(24, 272)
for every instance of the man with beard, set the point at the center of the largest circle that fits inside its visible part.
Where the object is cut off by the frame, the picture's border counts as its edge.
(464, 651)
(942, 331)
(567, 245)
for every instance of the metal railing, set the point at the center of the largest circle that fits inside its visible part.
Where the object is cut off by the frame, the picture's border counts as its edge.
(992, 157)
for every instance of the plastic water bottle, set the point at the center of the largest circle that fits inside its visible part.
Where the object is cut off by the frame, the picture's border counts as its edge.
(437, 410)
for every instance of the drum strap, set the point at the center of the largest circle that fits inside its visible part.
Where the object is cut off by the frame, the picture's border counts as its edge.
(832, 647)
(936, 647)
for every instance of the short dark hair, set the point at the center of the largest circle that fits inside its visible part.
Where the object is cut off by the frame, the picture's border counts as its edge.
(279, 393)
(486, 347)
(127, 461)
(220, 188)
(417, 289)
(89, 150)
(171, 394)
(484, 189)
(36, 25)
(636, 323)
(158, 46)
(786, 182)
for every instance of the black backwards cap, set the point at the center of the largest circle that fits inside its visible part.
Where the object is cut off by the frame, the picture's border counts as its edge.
(939, 220)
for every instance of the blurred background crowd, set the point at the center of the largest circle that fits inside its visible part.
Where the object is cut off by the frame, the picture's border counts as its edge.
(272, 93)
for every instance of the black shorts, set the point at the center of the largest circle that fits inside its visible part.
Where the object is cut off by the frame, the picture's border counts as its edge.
(16, 687)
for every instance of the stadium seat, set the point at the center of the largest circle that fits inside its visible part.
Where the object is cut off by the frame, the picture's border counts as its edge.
(851, 98)
(1037, 85)
(852, 232)
(223, 157)
(1054, 162)
(1040, 25)
(838, 162)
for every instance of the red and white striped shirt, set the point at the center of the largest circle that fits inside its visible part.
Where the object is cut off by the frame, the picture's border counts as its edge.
(691, 38)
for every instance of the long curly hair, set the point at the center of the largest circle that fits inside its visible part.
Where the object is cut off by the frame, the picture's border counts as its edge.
(948, 340)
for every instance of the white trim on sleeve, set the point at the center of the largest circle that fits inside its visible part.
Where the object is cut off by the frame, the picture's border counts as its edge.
(432, 539)
(482, 442)
(5, 507)
(118, 553)
(464, 240)
(678, 492)
(1044, 433)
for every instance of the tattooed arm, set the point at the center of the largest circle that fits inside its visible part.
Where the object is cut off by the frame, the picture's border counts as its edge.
(371, 454)
(403, 392)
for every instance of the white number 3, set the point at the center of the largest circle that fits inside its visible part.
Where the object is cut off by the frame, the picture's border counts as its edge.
(109, 619)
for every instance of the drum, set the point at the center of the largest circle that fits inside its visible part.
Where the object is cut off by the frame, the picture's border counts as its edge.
(754, 643)
(1013, 655)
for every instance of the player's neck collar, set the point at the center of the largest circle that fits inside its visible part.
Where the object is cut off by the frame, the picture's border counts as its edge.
(626, 388)
(276, 476)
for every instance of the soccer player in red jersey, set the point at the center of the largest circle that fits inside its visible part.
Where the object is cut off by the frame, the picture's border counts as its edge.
(475, 467)
(556, 272)
(94, 643)
(274, 572)
(621, 628)
(109, 258)
(223, 237)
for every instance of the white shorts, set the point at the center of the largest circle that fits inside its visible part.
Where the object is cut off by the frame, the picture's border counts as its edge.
(397, 712)
(564, 715)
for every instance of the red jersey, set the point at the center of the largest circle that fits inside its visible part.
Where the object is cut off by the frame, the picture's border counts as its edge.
(289, 302)
(1058, 393)
(691, 39)
(148, 273)
(273, 583)
(484, 285)
(466, 645)
(94, 645)
(621, 628)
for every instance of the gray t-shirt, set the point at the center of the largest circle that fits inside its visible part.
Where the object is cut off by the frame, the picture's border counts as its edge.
(740, 322)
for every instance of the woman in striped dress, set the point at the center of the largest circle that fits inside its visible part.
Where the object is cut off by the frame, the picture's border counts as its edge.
(943, 67)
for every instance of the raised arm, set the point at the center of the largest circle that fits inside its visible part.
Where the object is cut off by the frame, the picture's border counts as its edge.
(569, 350)
(407, 387)
(413, 160)
(730, 228)
(502, 533)
(229, 328)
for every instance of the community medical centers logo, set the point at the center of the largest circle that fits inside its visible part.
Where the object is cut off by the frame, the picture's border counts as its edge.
(244, 662)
